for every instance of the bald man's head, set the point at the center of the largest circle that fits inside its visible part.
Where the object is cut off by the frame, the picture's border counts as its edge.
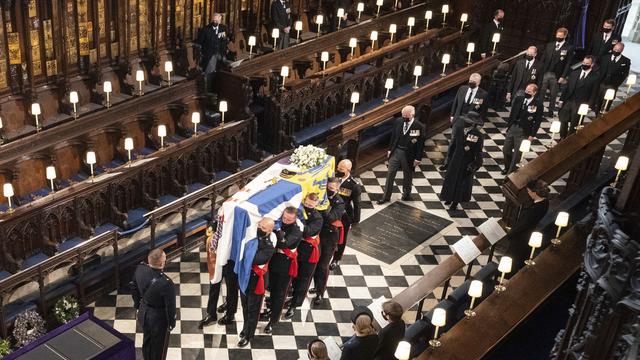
(266, 224)
(618, 48)
(474, 80)
(532, 51)
(344, 168)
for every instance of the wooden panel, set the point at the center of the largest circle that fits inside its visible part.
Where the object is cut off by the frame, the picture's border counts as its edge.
(29, 176)
(69, 159)
(104, 146)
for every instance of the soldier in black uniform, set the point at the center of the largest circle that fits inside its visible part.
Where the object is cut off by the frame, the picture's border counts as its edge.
(308, 252)
(350, 190)
(284, 264)
(231, 305)
(253, 296)
(329, 237)
(154, 296)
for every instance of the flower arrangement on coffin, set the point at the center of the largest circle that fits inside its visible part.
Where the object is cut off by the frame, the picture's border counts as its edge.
(28, 326)
(5, 348)
(66, 309)
(307, 157)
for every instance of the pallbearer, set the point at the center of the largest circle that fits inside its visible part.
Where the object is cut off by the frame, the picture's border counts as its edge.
(332, 231)
(308, 252)
(284, 263)
(350, 190)
(254, 294)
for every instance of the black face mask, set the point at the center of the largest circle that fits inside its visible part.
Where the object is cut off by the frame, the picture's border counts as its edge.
(339, 174)
(308, 209)
(606, 31)
(406, 119)
(529, 57)
(586, 67)
(330, 193)
(499, 20)
(261, 233)
(527, 96)
(472, 84)
(559, 39)
(616, 53)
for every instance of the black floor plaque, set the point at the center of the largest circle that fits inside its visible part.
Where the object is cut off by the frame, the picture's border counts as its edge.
(394, 231)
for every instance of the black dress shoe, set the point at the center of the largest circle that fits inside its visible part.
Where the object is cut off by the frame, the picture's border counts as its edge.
(317, 301)
(226, 320)
(243, 342)
(207, 320)
(287, 303)
(453, 207)
(242, 336)
(334, 265)
(312, 291)
(268, 329)
(442, 168)
(290, 312)
(222, 308)
(381, 201)
(406, 197)
(504, 171)
(447, 203)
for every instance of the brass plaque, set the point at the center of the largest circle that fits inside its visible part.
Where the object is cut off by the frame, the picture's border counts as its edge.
(32, 9)
(48, 38)
(93, 56)
(114, 49)
(84, 39)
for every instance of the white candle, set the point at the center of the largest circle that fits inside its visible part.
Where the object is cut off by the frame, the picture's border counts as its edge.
(411, 22)
(140, 79)
(162, 132)
(168, 68)
(73, 99)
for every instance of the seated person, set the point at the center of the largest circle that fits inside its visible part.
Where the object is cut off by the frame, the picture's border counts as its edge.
(363, 345)
(390, 335)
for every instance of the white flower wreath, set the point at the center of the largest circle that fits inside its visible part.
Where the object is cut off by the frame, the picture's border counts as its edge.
(307, 157)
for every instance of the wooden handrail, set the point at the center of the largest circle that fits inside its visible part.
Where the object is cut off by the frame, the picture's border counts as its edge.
(500, 313)
(68, 194)
(117, 115)
(264, 63)
(571, 152)
(380, 53)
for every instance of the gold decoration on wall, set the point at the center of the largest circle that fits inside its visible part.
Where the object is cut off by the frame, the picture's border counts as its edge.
(93, 56)
(35, 52)
(48, 38)
(52, 67)
(32, 8)
(101, 22)
(15, 56)
(143, 23)
(3, 58)
(70, 34)
(133, 28)
(83, 28)
(114, 49)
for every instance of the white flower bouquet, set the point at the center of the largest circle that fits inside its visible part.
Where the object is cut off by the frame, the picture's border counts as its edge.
(307, 157)
(66, 309)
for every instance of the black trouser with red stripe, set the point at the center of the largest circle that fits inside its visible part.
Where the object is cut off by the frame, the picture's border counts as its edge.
(305, 272)
(328, 243)
(340, 250)
(279, 281)
(251, 304)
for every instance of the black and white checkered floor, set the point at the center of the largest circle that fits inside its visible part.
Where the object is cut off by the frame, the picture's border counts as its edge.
(359, 279)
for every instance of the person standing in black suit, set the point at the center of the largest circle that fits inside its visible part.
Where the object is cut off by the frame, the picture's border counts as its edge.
(466, 160)
(405, 152)
(390, 335)
(332, 230)
(284, 264)
(487, 31)
(524, 122)
(580, 86)
(604, 40)
(526, 71)
(308, 252)
(470, 97)
(154, 297)
(281, 19)
(350, 191)
(214, 41)
(556, 63)
(252, 298)
(530, 216)
(613, 70)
